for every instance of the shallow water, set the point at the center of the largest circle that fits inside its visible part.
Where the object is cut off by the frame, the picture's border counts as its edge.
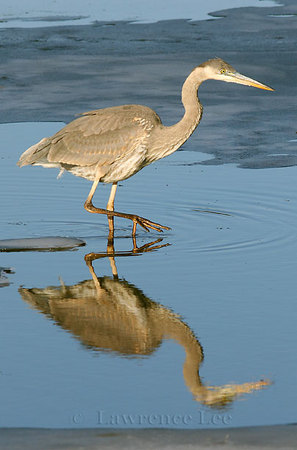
(82, 351)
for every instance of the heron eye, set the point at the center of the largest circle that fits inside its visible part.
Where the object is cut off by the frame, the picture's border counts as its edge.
(222, 71)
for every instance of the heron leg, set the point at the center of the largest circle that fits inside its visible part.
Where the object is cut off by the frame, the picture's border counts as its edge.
(137, 220)
(110, 207)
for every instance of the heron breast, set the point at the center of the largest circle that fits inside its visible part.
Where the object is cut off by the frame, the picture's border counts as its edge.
(126, 166)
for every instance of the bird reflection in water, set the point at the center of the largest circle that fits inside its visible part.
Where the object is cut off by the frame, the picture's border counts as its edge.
(110, 314)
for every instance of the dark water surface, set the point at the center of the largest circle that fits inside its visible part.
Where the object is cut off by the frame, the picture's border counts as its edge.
(198, 333)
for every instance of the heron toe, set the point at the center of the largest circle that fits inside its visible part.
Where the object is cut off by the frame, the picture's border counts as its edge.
(146, 224)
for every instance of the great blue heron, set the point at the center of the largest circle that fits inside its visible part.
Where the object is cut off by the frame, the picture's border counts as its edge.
(112, 144)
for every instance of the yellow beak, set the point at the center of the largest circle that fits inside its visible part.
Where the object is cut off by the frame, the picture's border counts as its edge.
(241, 79)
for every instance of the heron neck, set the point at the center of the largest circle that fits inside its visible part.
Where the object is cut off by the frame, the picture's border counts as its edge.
(193, 108)
(169, 139)
(191, 103)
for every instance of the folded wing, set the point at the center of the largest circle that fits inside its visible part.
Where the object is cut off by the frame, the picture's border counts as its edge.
(98, 137)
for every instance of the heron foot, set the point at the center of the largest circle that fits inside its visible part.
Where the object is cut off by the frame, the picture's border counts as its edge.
(146, 224)
(137, 220)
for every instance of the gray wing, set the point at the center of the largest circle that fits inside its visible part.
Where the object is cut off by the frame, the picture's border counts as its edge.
(97, 137)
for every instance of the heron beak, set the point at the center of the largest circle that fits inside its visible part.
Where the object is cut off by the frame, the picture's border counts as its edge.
(241, 79)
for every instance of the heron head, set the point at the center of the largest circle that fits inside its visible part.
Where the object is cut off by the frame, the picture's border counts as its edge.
(217, 69)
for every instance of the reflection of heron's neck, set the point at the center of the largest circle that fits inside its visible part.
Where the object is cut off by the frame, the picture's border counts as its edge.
(192, 362)
(174, 328)
(205, 394)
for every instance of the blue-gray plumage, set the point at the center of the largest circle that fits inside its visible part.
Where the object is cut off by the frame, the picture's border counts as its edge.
(112, 144)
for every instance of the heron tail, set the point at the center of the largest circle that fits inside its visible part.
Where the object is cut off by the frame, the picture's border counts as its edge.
(35, 154)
